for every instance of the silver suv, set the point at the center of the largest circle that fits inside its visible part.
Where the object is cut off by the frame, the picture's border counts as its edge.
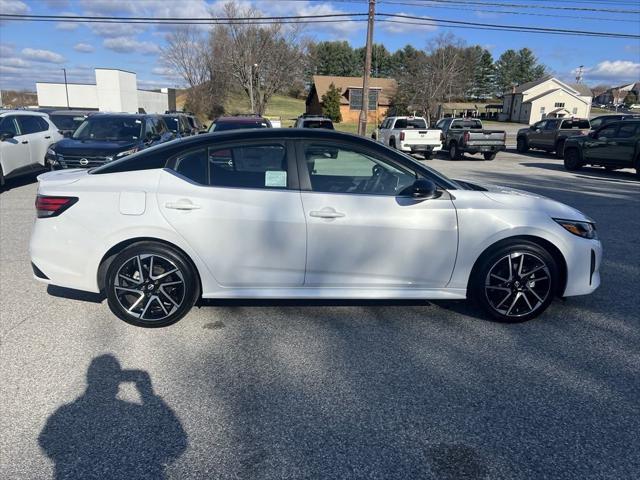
(314, 121)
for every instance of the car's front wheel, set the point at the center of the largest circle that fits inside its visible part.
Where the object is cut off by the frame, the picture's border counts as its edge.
(150, 284)
(489, 155)
(515, 282)
(572, 159)
(521, 145)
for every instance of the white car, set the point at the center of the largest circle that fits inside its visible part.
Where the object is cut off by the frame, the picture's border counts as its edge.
(411, 135)
(24, 139)
(301, 213)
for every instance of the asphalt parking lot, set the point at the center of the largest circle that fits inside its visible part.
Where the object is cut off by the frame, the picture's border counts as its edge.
(375, 390)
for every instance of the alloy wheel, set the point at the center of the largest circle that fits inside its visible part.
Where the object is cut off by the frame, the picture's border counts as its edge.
(149, 287)
(518, 284)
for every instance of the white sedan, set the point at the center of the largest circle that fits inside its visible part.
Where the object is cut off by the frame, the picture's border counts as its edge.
(289, 213)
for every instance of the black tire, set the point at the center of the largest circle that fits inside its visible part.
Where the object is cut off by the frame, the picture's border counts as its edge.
(1, 178)
(522, 145)
(559, 149)
(489, 155)
(428, 156)
(523, 296)
(572, 160)
(454, 153)
(133, 294)
(392, 143)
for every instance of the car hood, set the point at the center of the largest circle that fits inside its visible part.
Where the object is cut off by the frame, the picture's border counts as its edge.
(70, 146)
(521, 199)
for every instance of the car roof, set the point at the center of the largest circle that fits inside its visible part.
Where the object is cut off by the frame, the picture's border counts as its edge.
(74, 112)
(23, 112)
(240, 119)
(126, 115)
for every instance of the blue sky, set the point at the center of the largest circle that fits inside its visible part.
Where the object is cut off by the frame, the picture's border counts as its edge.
(31, 52)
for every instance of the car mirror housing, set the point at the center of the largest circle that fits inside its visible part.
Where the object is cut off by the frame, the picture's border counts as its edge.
(5, 135)
(421, 188)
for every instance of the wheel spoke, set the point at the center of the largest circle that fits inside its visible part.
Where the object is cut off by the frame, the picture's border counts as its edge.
(132, 290)
(493, 287)
(536, 269)
(166, 312)
(161, 290)
(129, 279)
(140, 271)
(146, 307)
(136, 303)
(535, 294)
(510, 268)
(513, 304)
(524, 295)
(521, 264)
(503, 300)
(499, 277)
(162, 275)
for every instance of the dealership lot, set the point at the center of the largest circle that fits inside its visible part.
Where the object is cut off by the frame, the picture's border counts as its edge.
(334, 389)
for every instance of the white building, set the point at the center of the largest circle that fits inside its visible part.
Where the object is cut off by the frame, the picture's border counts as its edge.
(114, 91)
(546, 97)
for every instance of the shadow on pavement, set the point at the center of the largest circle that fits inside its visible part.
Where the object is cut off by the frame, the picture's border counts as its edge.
(72, 294)
(21, 181)
(100, 436)
(593, 172)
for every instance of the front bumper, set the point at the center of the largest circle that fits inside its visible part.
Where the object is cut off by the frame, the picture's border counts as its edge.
(583, 267)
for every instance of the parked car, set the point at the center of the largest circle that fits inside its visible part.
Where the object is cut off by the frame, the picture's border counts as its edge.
(467, 135)
(614, 145)
(194, 124)
(178, 124)
(598, 122)
(271, 213)
(410, 134)
(105, 137)
(24, 139)
(239, 122)
(314, 121)
(551, 134)
(68, 121)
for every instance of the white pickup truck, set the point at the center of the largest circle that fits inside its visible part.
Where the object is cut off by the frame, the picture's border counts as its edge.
(409, 134)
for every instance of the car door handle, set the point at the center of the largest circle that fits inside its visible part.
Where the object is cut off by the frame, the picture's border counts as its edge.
(182, 205)
(48, 137)
(24, 142)
(326, 213)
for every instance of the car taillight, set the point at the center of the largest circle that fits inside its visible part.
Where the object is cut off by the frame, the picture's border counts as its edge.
(466, 136)
(47, 206)
(402, 136)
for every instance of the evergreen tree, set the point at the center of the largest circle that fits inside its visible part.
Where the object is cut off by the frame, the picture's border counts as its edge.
(515, 68)
(484, 76)
(331, 103)
(334, 58)
(381, 60)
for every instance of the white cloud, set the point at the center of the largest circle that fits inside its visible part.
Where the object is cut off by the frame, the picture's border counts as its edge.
(5, 50)
(613, 71)
(14, 62)
(14, 7)
(116, 29)
(407, 25)
(42, 55)
(130, 45)
(83, 48)
(69, 26)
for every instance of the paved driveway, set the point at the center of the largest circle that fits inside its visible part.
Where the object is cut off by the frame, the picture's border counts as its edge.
(275, 390)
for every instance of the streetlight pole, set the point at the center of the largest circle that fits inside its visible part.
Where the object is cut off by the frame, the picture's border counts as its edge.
(362, 124)
(66, 88)
(253, 108)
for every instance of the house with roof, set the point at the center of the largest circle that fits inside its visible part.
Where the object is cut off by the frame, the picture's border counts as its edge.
(546, 97)
(616, 95)
(381, 91)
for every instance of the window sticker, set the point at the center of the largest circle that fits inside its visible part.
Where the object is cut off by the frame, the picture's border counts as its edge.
(275, 178)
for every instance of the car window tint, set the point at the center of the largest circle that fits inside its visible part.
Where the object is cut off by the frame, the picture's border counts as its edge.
(416, 123)
(193, 165)
(608, 131)
(551, 124)
(248, 166)
(575, 124)
(31, 124)
(627, 130)
(8, 124)
(337, 169)
(596, 123)
(400, 123)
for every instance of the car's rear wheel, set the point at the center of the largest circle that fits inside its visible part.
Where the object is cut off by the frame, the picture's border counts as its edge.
(515, 282)
(572, 159)
(428, 155)
(522, 145)
(392, 143)
(559, 148)
(489, 155)
(454, 152)
(150, 284)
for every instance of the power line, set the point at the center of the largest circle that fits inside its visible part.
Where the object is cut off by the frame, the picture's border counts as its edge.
(520, 5)
(505, 12)
(518, 27)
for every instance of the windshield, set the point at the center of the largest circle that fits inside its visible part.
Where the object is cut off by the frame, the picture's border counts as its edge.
(67, 122)
(222, 126)
(318, 124)
(109, 128)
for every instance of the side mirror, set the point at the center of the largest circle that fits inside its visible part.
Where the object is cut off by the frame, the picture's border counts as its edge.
(67, 134)
(5, 136)
(422, 188)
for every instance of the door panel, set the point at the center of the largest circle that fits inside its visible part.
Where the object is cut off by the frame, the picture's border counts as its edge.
(598, 149)
(360, 233)
(248, 237)
(15, 152)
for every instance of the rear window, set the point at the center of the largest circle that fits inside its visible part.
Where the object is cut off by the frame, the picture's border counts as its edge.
(416, 123)
(67, 122)
(470, 124)
(318, 124)
(575, 124)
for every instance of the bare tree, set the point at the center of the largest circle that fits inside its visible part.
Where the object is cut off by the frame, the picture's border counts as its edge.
(262, 59)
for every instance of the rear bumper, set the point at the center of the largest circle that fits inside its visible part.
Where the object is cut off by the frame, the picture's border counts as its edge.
(417, 148)
(483, 148)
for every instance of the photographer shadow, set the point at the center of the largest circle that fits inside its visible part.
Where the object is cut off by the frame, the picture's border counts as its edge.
(101, 436)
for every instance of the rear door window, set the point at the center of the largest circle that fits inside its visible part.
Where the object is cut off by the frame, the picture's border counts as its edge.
(8, 124)
(31, 124)
(628, 130)
(609, 131)
(575, 125)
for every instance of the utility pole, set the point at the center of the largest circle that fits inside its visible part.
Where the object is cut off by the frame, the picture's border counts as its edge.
(253, 108)
(66, 88)
(362, 124)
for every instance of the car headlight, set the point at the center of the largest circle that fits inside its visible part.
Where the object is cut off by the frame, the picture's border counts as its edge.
(579, 228)
(127, 152)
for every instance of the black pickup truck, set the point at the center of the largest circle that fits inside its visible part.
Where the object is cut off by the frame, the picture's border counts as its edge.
(614, 145)
(467, 135)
